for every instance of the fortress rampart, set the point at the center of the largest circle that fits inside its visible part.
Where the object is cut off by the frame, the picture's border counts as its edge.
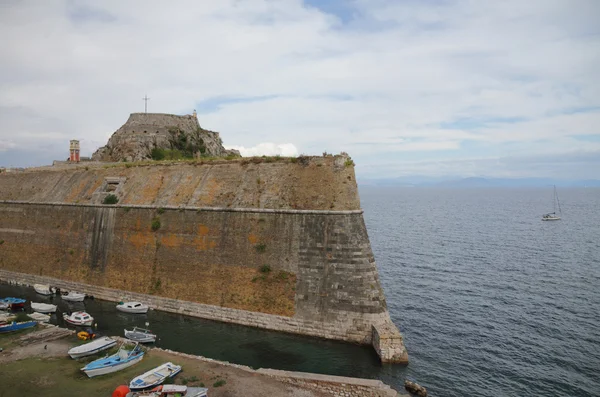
(279, 245)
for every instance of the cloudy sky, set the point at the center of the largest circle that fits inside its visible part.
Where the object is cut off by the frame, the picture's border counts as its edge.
(406, 87)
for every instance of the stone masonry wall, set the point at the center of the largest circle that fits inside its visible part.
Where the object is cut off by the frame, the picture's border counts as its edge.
(285, 250)
(318, 183)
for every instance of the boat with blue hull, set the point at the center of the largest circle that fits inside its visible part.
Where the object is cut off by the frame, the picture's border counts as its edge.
(14, 326)
(120, 360)
(13, 303)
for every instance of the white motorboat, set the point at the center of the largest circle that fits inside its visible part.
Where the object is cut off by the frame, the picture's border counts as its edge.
(73, 296)
(78, 318)
(43, 318)
(155, 376)
(43, 307)
(43, 289)
(92, 347)
(140, 335)
(132, 307)
(118, 361)
(4, 305)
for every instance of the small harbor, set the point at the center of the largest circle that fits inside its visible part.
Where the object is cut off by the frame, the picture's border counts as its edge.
(236, 344)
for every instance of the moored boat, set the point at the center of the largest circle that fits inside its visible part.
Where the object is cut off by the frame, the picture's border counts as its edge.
(73, 296)
(43, 307)
(44, 318)
(170, 390)
(78, 318)
(120, 360)
(14, 326)
(132, 307)
(92, 347)
(14, 303)
(43, 289)
(155, 376)
(140, 335)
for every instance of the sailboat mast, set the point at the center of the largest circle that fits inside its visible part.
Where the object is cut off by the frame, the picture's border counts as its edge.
(558, 202)
(554, 200)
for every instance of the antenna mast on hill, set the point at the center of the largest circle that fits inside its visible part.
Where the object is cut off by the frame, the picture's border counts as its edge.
(146, 99)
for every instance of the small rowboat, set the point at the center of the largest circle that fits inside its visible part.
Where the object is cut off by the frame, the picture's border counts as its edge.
(73, 296)
(132, 307)
(14, 303)
(155, 376)
(39, 317)
(118, 361)
(43, 307)
(170, 390)
(17, 326)
(78, 318)
(43, 289)
(140, 335)
(92, 347)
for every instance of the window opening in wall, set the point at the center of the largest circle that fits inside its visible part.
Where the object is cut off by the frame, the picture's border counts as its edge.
(112, 186)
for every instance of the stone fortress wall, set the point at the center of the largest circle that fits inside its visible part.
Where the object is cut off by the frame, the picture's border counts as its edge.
(277, 244)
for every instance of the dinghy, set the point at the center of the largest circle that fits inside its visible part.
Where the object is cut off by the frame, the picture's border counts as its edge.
(43, 307)
(43, 289)
(132, 307)
(3, 305)
(118, 361)
(78, 318)
(14, 303)
(92, 347)
(73, 296)
(155, 376)
(171, 391)
(39, 317)
(140, 335)
(17, 326)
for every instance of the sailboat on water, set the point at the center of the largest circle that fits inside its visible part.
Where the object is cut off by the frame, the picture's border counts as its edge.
(551, 216)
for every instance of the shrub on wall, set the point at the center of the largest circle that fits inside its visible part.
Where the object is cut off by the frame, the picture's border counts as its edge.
(155, 224)
(110, 199)
(260, 247)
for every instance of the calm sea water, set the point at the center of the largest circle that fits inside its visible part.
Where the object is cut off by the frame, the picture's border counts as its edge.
(491, 300)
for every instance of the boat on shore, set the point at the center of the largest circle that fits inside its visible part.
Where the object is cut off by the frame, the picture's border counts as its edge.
(155, 376)
(73, 296)
(92, 347)
(44, 289)
(14, 326)
(13, 303)
(43, 307)
(39, 317)
(132, 307)
(171, 390)
(140, 335)
(78, 318)
(120, 360)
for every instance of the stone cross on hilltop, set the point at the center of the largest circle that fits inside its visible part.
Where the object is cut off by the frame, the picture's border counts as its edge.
(146, 99)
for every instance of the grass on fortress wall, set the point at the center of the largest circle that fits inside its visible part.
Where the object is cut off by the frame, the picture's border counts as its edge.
(170, 159)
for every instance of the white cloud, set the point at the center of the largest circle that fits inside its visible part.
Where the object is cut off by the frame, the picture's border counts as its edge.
(267, 149)
(6, 145)
(408, 81)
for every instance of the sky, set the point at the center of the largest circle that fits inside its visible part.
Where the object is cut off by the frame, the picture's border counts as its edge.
(465, 88)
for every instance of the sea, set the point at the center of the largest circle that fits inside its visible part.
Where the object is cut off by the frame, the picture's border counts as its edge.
(491, 300)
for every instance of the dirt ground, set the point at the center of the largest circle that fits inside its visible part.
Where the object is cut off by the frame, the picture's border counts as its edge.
(44, 369)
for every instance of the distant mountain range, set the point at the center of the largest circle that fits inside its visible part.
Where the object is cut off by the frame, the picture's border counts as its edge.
(422, 181)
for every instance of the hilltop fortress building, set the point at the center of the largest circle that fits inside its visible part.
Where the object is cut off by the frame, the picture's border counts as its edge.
(274, 243)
